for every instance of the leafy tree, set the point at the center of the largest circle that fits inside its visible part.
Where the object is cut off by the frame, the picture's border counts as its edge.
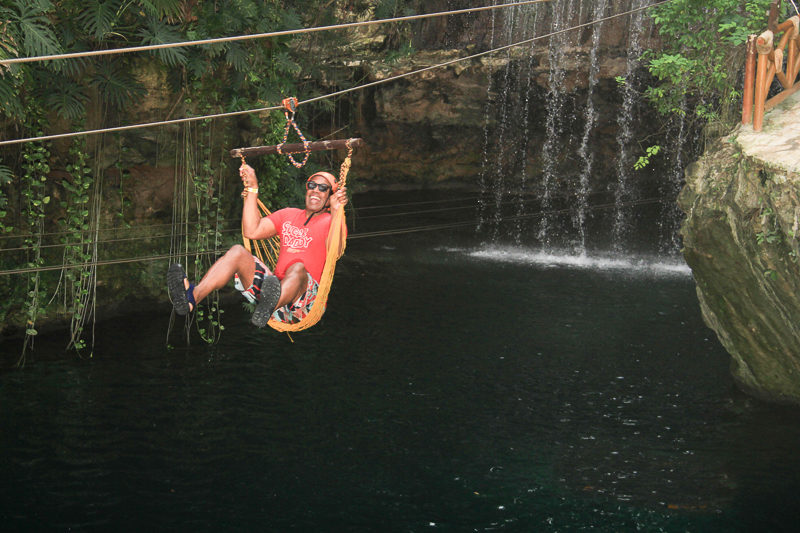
(702, 53)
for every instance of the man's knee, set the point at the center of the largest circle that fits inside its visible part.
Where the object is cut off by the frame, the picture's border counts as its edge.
(237, 249)
(296, 270)
(237, 253)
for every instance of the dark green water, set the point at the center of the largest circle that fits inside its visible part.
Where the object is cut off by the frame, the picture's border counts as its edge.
(444, 391)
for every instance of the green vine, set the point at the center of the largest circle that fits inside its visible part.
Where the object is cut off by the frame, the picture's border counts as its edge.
(6, 177)
(123, 174)
(205, 209)
(207, 234)
(35, 165)
(6, 286)
(77, 241)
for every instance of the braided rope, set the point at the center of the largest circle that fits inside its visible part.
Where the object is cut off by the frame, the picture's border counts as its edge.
(290, 106)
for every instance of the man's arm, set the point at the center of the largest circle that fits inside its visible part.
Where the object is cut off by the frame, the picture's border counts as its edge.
(338, 200)
(254, 226)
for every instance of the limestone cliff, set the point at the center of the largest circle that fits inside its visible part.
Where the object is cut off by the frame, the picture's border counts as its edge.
(742, 201)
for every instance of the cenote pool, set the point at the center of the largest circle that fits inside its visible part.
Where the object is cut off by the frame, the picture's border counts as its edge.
(449, 388)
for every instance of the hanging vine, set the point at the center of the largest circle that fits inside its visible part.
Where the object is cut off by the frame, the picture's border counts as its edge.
(206, 180)
(77, 241)
(6, 179)
(198, 213)
(123, 175)
(35, 165)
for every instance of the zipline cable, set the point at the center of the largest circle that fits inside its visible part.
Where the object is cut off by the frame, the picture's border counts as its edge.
(357, 218)
(330, 95)
(236, 220)
(379, 233)
(281, 33)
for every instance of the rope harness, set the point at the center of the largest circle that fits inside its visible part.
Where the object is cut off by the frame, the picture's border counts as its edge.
(290, 106)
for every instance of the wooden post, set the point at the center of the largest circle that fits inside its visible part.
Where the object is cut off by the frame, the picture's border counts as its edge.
(297, 148)
(796, 64)
(749, 80)
(794, 47)
(772, 23)
(764, 47)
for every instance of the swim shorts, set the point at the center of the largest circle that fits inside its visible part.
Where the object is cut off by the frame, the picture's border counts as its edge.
(289, 313)
(251, 293)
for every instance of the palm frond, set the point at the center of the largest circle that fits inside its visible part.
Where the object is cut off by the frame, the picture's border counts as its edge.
(98, 18)
(284, 63)
(169, 9)
(6, 175)
(67, 99)
(10, 103)
(237, 57)
(8, 41)
(158, 32)
(197, 65)
(37, 35)
(290, 20)
(115, 83)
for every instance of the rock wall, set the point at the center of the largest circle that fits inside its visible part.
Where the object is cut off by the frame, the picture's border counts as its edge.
(740, 240)
(430, 129)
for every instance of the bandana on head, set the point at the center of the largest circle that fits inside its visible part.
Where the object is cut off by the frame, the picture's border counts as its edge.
(328, 177)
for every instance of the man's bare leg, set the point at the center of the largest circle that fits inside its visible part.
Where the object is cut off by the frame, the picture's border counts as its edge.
(237, 260)
(293, 284)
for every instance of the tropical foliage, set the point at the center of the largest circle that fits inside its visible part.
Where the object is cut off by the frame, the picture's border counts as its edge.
(53, 96)
(700, 59)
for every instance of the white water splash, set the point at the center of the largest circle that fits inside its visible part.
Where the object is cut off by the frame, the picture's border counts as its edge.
(621, 263)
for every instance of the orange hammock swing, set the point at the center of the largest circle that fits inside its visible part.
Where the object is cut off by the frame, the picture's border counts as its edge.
(267, 249)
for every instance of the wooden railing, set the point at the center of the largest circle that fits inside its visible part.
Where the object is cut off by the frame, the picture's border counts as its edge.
(759, 75)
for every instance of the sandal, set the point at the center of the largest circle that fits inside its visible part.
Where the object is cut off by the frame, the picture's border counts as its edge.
(267, 300)
(181, 296)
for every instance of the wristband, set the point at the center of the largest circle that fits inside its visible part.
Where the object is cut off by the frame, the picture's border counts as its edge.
(252, 189)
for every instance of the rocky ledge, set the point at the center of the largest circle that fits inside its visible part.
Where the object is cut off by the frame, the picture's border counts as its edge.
(740, 236)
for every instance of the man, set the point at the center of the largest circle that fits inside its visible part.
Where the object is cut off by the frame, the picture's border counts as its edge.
(287, 294)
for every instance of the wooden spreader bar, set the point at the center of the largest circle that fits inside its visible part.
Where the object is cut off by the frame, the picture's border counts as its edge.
(297, 148)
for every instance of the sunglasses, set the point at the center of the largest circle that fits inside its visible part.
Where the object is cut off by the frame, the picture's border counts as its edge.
(323, 187)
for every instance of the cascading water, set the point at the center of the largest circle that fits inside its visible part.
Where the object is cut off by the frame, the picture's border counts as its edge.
(562, 14)
(671, 215)
(624, 192)
(499, 181)
(590, 118)
(482, 179)
(522, 145)
(552, 143)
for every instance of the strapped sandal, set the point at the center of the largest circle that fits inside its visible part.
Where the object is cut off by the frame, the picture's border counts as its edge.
(181, 296)
(267, 300)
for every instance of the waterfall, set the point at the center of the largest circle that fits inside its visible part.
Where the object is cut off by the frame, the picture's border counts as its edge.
(534, 115)
(482, 181)
(499, 171)
(590, 119)
(522, 151)
(671, 215)
(624, 193)
(563, 11)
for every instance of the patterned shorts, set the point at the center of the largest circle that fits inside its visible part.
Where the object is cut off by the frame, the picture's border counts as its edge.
(289, 313)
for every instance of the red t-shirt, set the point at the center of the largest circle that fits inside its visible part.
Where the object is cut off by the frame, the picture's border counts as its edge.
(301, 242)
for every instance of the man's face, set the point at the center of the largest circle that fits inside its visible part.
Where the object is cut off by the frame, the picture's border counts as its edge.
(315, 200)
